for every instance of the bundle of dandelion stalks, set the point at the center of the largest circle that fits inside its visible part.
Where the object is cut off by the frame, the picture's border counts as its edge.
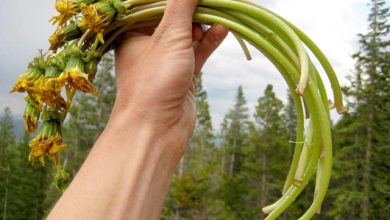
(87, 29)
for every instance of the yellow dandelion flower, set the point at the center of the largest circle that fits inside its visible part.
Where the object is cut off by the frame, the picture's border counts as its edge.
(80, 81)
(56, 40)
(48, 91)
(67, 9)
(64, 35)
(35, 70)
(75, 76)
(26, 80)
(97, 16)
(47, 143)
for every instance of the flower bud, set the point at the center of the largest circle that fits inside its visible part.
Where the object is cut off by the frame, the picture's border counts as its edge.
(61, 179)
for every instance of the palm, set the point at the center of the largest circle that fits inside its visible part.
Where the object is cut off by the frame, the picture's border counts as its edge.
(156, 74)
(168, 91)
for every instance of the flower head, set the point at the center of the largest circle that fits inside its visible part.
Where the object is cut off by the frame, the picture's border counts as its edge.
(26, 80)
(48, 142)
(31, 116)
(67, 9)
(97, 16)
(64, 35)
(47, 91)
(75, 76)
(35, 70)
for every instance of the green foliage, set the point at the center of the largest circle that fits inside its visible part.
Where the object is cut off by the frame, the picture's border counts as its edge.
(234, 134)
(22, 186)
(361, 181)
(267, 156)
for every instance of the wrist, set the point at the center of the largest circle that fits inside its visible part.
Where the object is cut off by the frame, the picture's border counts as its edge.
(165, 127)
(151, 157)
(127, 126)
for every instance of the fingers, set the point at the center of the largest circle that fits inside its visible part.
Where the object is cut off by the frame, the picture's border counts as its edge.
(212, 39)
(178, 14)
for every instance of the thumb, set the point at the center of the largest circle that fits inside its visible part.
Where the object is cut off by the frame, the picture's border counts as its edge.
(178, 15)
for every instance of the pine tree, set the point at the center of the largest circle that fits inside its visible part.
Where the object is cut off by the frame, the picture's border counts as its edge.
(7, 136)
(23, 186)
(363, 135)
(7, 144)
(235, 131)
(267, 156)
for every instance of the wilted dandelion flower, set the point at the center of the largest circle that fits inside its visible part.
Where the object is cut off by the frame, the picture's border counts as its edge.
(35, 71)
(97, 16)
(67, 9)
(48, 91)
(27, 80)
(47, 143)
(31, 116)
(75, 76)
(64, 35)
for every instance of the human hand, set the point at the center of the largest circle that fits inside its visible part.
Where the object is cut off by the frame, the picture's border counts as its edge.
(156, 72)
(127, 173)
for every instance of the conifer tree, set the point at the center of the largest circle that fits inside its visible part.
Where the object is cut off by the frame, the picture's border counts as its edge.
(267, 156)
(7, 136)
(7, 144)
(362, 137)
(235, 132)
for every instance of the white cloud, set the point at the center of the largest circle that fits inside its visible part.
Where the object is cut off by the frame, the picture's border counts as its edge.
(333, 25)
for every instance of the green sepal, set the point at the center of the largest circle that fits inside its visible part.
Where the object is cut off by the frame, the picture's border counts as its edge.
(52, 71)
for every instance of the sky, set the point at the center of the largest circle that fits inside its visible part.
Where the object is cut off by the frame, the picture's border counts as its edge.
(332, 24)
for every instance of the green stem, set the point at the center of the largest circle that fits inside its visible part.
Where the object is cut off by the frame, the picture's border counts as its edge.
(336, 88)
(243, 45)
(320, 121)
(278, 25)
